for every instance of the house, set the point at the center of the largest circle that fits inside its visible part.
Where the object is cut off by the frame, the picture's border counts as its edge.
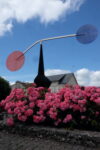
(21, 85)
(57, 82)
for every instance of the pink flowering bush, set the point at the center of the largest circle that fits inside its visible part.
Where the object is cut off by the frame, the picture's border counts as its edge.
(10, 121)
(72, 107)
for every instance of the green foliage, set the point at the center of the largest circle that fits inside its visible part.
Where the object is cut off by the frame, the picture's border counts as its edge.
(5, 88)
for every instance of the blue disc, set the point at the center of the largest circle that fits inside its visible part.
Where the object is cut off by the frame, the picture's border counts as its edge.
(86, 34)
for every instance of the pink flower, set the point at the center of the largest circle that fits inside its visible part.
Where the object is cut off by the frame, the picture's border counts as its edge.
(10, 111)
(28, 112)
(33, 92)
(38, 119)
(97, 101)
(17, 110)
(97, 113)
(68, 118)
(7, 106)
(82, 109)
(42, 105)
(83, 117)
(40, 112)
(3, 102)
(53, 115)
(19, 93)
(82, 102)
(22, 118)
(24, 102)
(8, 98)
(31, 104)
(22, 109)
(40, 88)
(32, 98)
(64, 106)
(10, 122)
(49, 90)
(57, 122)
(76, 107)
(19, 103)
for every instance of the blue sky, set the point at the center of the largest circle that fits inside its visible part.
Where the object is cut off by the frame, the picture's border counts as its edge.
(22, 26)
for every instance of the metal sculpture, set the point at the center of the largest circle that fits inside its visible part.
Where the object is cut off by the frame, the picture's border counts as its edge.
(85, 34)
(14, 61)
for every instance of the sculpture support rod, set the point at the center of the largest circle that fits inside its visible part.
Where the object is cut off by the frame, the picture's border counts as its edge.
(47, 39)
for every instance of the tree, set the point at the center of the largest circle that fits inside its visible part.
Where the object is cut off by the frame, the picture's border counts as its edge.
(5, 88)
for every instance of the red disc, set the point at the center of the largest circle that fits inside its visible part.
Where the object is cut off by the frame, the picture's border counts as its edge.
(15, 60)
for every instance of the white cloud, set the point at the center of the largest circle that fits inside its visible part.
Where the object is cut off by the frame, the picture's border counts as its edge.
(12, 83)
(50, 72)
(3, 77)
(88, 77)
(84, 76)
(24, 10)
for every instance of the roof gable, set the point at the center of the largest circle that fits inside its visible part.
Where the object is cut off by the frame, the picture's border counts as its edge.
(62, 78)
(67, 78)
(55, 78)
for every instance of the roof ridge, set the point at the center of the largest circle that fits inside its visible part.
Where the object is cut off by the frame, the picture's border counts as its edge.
(60, 74)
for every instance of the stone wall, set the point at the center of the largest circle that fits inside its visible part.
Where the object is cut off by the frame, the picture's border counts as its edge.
(55, 86)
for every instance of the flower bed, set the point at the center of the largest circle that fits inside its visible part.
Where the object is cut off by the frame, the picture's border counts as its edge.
(71, 107)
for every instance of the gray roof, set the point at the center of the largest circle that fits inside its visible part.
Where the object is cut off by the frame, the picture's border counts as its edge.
(62, 78)
(67, 78)
(55, 77)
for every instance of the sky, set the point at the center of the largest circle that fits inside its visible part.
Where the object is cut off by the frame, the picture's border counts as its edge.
(22, 22)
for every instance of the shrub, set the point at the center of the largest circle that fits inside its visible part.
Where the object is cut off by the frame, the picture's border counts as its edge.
(4, 88)
(71, 107)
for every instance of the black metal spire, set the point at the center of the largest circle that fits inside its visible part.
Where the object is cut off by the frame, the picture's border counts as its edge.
(41, 80)
(41, 62)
